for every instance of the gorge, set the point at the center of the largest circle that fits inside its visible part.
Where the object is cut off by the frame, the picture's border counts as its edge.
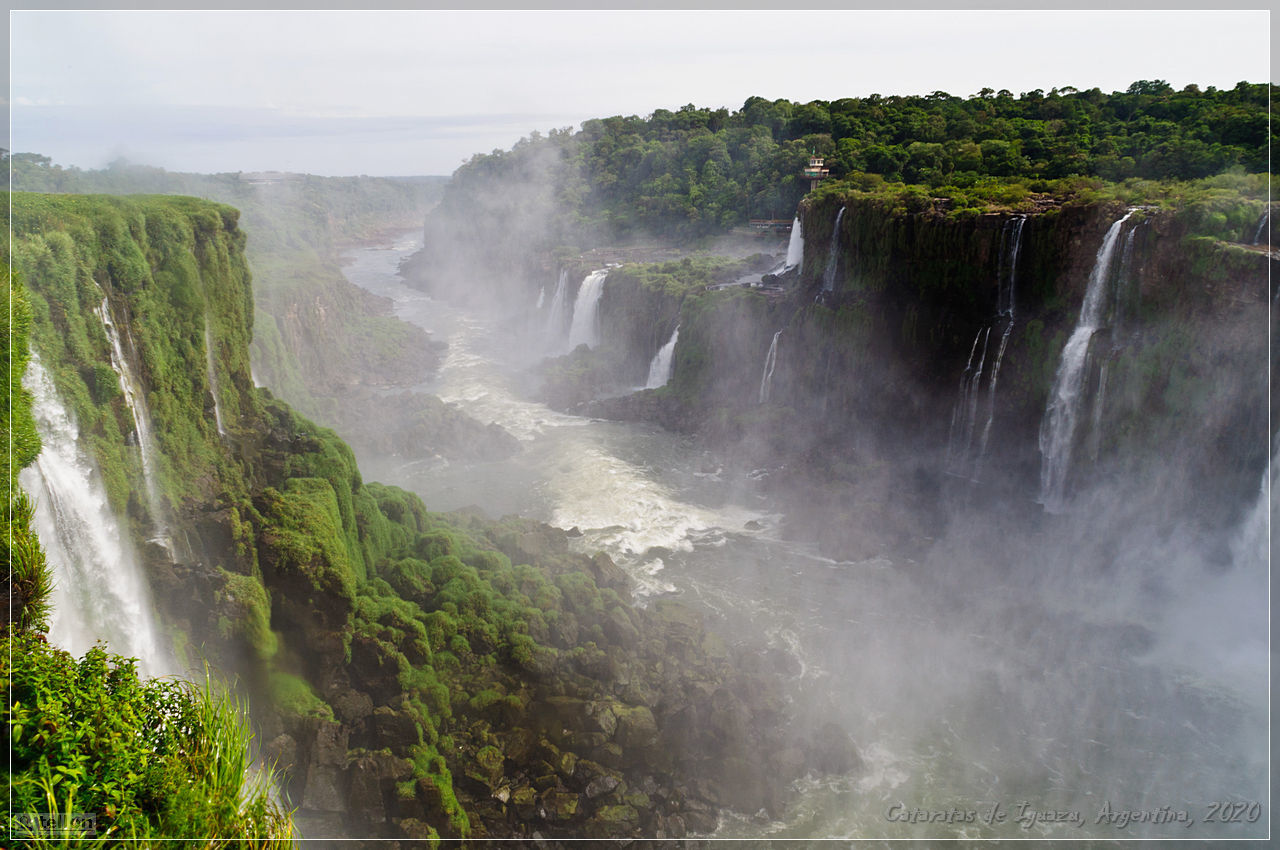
(675, 542)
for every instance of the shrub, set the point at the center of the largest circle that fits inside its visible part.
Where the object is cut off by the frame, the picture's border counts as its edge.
(146, 759)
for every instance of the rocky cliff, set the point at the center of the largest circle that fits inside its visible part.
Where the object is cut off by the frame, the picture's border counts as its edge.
(886, 344)
(415, 675)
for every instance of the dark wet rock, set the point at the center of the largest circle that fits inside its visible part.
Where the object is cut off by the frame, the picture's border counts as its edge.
(833, 751)
(351, 706)
(636, 728)
(324, 790)
(364, 792)
(393, 728)
(281, 751)
(330, 744)
(559, 804)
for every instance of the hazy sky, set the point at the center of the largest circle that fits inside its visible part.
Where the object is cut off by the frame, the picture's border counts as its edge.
(419, 92)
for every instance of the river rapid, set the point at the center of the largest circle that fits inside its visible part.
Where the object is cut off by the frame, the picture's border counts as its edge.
(1010, 695)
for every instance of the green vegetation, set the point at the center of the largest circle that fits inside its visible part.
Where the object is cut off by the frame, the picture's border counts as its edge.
(314, 331)
(28, 574)
(180, 263)
(698, 171)
(142, 759)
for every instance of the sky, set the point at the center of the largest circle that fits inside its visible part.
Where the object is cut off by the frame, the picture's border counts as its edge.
(401, 93)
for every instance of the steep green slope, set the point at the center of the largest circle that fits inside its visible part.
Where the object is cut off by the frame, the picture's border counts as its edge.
(97, 753)
(415, 674)
(864, 377)
(319, 342)
(692, 173)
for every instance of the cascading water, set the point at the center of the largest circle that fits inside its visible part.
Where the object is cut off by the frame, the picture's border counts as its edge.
(795, 247)
(1014, 694)
(770, 361)
(1010, 247)
(1262, 226)
(829, 275)
(660, 366)
(99, 592)
(585, 328)
(542, 296)
(1062, 411)
(1006, 288)
(965, 413)
(555, 313)
(141, 424)
(213, 379)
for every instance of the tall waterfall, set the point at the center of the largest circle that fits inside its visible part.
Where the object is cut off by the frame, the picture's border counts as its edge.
(585, 327)
(1262, 226)
(213, 379)
(99, 591)
(1006, 299)
(132, 390)
(829, 275)
(660, 366)
(964, 415)
(1063, 409)
(795, 247)
(770, 361)
(555, 313)
(1007, 273)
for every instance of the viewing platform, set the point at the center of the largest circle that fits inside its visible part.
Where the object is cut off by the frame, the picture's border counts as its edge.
(771, 225)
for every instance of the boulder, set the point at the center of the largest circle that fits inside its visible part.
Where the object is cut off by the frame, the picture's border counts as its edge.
(636, 728)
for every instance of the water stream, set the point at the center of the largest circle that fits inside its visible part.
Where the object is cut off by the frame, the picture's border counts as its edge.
(1067, 398)
(99, 590)
(662, 363)
(995, 672)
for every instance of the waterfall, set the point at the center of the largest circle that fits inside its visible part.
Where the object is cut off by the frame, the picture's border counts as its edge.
(586, 320)
(964, 414)
(555, 315)
(213, 378)
(1062, 411)
(770, 361)
(1010, 246)
(141, 423)
(1006, 299)
(99, 592)
(542, 296)
(1262, 226)
(795, 247)
(660, 366)
(829, 276)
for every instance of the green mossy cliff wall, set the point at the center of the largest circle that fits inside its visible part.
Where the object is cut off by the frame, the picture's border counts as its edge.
(872, 368)
(415, 675)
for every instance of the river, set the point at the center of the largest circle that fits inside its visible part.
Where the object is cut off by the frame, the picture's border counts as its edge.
(1005, 696)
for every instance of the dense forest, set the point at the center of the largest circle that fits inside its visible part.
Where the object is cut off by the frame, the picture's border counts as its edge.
(700, 171)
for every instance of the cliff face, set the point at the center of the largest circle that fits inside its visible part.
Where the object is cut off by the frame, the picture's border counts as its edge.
(414, 675)
(889, 349)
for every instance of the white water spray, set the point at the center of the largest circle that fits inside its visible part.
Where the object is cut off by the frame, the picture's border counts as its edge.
(965, 413)
(770, 362)
(1062, 411)
(585, 328)
(795, 247)
(660, 366)
(99, 592)
(555, 314)
(1010, 247)
(829, 275)
(137, 404)
(213, 379)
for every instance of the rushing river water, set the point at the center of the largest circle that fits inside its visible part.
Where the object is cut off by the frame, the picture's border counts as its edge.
(988, 701)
